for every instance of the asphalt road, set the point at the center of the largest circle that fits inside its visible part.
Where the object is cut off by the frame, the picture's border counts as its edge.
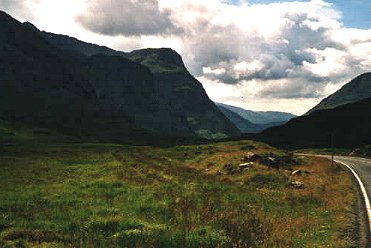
(362, 167)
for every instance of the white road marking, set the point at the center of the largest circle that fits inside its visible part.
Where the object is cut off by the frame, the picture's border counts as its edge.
(361, 184)
(363, 189)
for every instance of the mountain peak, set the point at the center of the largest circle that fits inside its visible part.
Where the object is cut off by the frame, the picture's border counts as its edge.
(356, 90)
(31, 26)
(166, 59)
(85, 89)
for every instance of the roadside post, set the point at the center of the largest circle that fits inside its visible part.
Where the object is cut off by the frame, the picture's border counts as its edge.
(332, 149)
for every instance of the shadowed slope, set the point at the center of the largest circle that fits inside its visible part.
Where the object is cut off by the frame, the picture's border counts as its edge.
(356, 90)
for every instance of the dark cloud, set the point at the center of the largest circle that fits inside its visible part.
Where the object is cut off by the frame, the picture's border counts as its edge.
(126, 17)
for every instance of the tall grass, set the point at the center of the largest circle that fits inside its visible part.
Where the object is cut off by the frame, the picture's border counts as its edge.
(96, 195)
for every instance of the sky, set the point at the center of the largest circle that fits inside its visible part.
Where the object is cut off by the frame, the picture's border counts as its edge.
(256, 54)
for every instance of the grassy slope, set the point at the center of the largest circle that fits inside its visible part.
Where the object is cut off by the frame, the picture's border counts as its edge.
(102, 195)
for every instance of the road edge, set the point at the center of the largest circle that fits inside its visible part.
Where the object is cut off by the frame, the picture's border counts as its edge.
(365, 218)
(363, 190)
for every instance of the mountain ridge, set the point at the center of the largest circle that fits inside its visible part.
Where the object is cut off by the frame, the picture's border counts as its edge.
(348, 124)
(259, 117)
(244, 125)
(121, 89)
(357, 89)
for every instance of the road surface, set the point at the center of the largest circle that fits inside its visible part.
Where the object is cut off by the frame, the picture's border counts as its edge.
(361, 168)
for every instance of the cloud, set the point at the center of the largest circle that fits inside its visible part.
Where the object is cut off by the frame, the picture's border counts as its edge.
(19, 8)
(244, 54)
(285, 50)
(126, 17)
(282, 51)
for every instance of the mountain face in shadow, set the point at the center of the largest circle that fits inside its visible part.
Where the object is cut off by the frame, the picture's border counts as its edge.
(61, 82)
(248, 121)
(184, 92)
(73, 45)
(354, 91)
(348, 124)
(37, 81)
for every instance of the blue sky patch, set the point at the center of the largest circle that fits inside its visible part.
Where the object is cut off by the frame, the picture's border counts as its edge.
(356, 13)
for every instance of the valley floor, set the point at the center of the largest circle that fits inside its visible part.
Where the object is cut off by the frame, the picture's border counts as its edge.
(100, 195)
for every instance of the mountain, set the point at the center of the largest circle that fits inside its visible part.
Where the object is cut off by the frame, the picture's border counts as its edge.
(42, 86)
(74, 45)
(260, 117)
(245, 126)
(349, 125)
(184, 92)
(356, 90)
(130, 88)
(61, 82)
(175, 88)
(248, 121)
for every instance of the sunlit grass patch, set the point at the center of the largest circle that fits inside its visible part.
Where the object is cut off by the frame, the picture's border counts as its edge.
(101, 195)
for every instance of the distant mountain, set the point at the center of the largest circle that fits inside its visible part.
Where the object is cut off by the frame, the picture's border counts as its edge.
(260, 117)
(248, 121)
(348, 124)
(356, 90)
(61, 82)
(245, 126)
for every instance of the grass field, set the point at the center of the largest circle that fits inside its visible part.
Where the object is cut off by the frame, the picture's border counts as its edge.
(56, 192)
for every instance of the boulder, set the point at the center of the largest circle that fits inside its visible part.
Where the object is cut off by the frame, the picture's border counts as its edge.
(251, 157)
(297, 185)
(245, 166)
(297, 173)
(272, 162)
